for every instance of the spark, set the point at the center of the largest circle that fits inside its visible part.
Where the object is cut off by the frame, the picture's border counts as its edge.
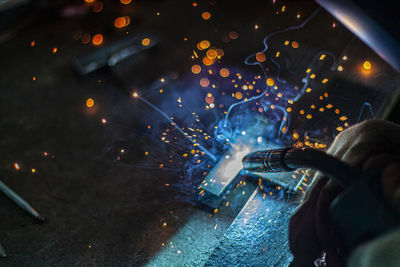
(196, 69)
(233, 35)
(204, 44)
(176, 127)
(97, 7)
(367, 65)
(204, 82)
(97, 39)
(270, 82)
(224, 72)
(212, 53)
(89, 102)
(206, 15)
(261, 57)
(121, 22)
(145, 41)
(16, 166)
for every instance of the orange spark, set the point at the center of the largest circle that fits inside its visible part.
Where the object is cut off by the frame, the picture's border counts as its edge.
(97, 39)
(206, 15)
(89, 102)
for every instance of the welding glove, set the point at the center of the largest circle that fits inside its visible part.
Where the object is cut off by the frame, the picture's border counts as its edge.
(311, 233)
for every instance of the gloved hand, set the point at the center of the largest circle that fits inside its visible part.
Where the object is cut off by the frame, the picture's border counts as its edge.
(369, 144)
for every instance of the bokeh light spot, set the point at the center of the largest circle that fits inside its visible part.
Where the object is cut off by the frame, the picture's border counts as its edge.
(270, 82)
(146, 41)
(212, 53)
(204, 44)
(120, 22)
(207, 61)
(367, 65)
(90, 102)
(196, 69)
(204, 82)
(261, 57)
(206, 15)
(233, 35)
(224, 72)
(97, 39)
(126, 2)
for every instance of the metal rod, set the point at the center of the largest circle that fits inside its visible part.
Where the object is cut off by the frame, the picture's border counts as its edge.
(20, 202)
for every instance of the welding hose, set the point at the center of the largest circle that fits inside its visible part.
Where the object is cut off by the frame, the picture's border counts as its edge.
(290, 159)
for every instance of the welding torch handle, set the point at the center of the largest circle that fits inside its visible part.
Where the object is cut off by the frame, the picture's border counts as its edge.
(290, 159)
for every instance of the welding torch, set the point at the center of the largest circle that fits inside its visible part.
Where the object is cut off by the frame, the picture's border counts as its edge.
(359, 213)
(290, 159)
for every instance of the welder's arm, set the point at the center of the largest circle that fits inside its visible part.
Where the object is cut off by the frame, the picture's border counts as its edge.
(310, 230)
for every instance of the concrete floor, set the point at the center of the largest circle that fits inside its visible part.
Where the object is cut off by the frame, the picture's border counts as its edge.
(118, 213)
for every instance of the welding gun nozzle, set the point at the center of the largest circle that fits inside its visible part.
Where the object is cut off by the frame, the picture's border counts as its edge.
(290, 159)
(267, 161)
